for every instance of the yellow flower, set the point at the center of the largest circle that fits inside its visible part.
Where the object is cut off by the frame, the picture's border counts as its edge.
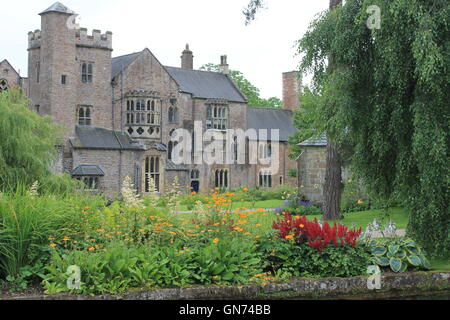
(216, 241)
(53, 245)
(101, 230)
(360, 202)
(66, 239)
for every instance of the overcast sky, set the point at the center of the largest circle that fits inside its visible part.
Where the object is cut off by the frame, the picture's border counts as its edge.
(262, 51)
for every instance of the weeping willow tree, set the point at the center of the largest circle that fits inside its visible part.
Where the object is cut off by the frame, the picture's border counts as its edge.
(388, 92)
(27, 142)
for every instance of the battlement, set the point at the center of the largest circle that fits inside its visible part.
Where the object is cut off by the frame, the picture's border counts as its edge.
(96, 40)
(34, 39)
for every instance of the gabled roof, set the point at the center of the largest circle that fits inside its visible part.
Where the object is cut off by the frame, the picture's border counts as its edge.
(10, 65)
(103, 139)
(87, 170)
(58, 7)
(206, 84)
(122, 62)
(269, 118)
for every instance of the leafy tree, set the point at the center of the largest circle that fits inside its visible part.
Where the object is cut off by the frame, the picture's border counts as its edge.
(27, 142)
(388, 92)
(251, 92)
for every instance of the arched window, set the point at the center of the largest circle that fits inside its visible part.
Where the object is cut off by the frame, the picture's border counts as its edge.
(86, 72)
(265, 179)
(3, 85)
(195, 175)
(84, 116)
(221, 178)
(152, 170)
(173, 114)
(235, 149)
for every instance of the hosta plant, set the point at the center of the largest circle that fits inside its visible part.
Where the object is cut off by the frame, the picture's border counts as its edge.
(399, 254)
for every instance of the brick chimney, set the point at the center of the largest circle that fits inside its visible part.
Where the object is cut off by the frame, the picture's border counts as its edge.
(291, 90)
(187, 59)
(224, 67)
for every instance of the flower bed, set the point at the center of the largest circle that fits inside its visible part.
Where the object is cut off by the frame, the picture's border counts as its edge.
(132, 243)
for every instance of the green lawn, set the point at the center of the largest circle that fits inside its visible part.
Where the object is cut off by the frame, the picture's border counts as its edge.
(440, 265)
(363, 218)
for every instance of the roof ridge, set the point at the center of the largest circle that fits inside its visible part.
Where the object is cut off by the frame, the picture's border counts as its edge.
(196, 70)
(125, 55)
(269, 108)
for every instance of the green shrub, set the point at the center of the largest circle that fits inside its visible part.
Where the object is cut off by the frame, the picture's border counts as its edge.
(26, 223)
(230, 261)
(118, 268)
(398, 254)
(287, 259)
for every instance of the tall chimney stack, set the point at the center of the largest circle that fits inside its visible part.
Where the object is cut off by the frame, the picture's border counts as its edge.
(187, 59)
(224, 67)
(291, 90)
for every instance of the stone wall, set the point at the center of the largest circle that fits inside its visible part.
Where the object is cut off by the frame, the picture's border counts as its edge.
(394, 286)
(312, 166)
(116, 165)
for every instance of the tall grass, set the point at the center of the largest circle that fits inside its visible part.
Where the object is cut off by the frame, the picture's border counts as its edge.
(27, 221)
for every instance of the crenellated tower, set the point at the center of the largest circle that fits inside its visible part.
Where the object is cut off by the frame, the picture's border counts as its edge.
(70, 71)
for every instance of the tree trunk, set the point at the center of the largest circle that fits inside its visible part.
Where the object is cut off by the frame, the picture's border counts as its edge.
(333, 183)
(333, 178)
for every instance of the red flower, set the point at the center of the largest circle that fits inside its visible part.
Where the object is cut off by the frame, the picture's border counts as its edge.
(317, 236)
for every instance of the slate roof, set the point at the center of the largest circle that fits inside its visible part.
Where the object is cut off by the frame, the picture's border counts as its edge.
(206, 84)
(103, 139)
(87, 170)
(58, 7)
(124, 61)
(320, 142)
(269, 118)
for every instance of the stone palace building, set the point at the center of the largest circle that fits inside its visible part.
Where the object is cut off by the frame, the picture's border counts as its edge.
(119, 113)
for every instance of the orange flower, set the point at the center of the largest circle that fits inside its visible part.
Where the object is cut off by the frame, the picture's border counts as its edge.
(302, 226)
(66, 239)
(245, 189)
(91, 249)
(216, 241)
(290, 237)
(53, 245)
